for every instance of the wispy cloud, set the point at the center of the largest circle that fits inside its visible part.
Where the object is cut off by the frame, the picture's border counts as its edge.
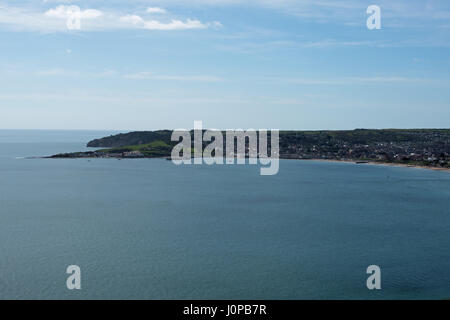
(115, 97)
(326, 8)
(355, 80)
(308, 81)
(264, 46)
(57, 72)
(60, 72)
(152, 76)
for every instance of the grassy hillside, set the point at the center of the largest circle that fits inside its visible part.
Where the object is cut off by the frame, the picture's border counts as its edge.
(153, 149)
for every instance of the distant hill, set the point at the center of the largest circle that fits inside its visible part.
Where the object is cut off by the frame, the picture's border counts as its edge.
(361, 136)
(131, 139)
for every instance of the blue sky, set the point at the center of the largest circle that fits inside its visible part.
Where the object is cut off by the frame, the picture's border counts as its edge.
(287, 64)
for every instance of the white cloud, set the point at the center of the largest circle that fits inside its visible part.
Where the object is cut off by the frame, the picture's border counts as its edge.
(132, 18)
(56, 19)
(157, 25)
(64, 12)
(156, 10)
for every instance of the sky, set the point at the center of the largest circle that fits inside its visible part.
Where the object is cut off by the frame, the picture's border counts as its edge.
(268, 64)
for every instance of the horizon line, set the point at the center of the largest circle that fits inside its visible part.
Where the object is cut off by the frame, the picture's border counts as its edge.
(165, 129)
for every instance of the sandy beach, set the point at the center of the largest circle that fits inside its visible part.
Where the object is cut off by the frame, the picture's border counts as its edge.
(380, 164)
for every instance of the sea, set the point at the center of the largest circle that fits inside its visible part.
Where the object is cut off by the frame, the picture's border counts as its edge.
(148, 229)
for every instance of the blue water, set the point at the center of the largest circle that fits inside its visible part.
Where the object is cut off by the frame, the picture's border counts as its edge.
(148, 229)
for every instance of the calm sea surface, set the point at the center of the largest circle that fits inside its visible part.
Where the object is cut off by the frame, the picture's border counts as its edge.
(148, 229)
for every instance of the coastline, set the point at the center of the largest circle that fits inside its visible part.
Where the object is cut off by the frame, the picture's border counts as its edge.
(356, 162)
